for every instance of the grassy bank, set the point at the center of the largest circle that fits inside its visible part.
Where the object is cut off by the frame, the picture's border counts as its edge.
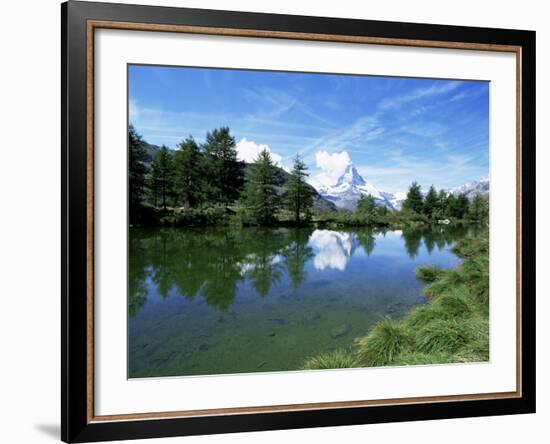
(453, 327)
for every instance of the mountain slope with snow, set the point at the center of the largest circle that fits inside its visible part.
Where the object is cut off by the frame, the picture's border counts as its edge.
(349, 188)
(473, 189)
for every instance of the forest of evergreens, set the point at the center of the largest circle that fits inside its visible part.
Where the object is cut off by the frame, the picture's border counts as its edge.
(206, 184)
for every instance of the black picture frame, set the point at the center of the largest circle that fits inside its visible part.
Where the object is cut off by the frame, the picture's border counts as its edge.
(76, 424)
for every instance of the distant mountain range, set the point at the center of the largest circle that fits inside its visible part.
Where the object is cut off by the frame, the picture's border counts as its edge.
(473, 189)
(350, 186)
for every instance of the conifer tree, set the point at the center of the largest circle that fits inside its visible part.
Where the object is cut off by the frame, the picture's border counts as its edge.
(458, 206)
(366, 205)
(137, 174)
(189, 181)
(298, 194)
(441, 207)
(225, 171)
(260, 189)
(430, 202)
(162, 177)
(414, 201)
(479, 209)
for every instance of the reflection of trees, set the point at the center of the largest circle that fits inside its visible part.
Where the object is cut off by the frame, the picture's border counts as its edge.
(412, 239)
(437, 235)
(262, 266)
(367, 240)
(211, 262)
(296, 255)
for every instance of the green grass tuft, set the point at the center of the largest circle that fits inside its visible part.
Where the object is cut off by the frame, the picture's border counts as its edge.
(429, 273)
(421, 316)
(444, 336)
(453, 306)
(385, 341)
(330, 360)
(417, 358)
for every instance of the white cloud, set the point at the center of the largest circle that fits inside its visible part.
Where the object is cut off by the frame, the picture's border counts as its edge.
(133, 110)
(247, 151)
(332, 166)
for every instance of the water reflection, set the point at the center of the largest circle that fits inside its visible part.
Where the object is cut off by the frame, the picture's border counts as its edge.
(213, 263)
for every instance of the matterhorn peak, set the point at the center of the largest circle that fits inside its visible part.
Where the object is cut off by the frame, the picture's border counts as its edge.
(351, 177)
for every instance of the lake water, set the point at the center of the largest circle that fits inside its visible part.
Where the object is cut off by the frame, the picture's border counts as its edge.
(217, 300)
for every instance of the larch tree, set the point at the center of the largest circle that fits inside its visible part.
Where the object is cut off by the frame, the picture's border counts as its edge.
(224, 169)
(298, 196)
(162, 177)
(260, 195)
(430, 202)
(137, 173)
(189, 180)
(414, 201)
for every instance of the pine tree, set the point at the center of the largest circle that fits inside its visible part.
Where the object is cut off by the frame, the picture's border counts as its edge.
(441, 207)
(479, 209)
(224, 170)
(298, 196)
(137, 173)
(414, 201)
(189, 180)
(162, 177)
(366, 205)
(260, 191)
(458, 206)
(430, 202)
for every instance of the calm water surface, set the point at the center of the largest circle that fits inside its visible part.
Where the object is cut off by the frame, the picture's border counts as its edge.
(210, 301)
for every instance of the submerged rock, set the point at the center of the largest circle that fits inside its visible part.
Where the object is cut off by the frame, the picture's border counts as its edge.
(341, 330)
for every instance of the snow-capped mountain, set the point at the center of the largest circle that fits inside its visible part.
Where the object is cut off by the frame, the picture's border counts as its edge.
(350, 186)
(473, 189)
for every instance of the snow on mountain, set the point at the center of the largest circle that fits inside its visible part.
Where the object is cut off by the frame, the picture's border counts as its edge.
(473, 189)
(349, 188)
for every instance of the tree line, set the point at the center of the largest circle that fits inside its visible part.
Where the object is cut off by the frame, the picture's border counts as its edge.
(199, 176)
(434, 205)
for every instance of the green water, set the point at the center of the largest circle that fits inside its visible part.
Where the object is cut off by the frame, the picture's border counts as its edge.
(214, 301)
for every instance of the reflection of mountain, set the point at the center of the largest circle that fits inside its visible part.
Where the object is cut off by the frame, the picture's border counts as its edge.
(332, 249)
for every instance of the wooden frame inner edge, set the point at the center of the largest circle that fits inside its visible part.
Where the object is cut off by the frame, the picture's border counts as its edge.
(96, 24)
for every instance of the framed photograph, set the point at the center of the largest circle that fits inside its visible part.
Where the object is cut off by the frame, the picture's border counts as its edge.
(275, 221)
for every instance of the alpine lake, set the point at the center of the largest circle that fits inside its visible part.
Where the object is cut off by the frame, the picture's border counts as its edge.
(205, 301)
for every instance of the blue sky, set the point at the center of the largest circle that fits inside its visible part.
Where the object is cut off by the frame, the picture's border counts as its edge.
(394, 130)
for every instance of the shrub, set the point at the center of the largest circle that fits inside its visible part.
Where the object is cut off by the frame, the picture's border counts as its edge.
(385, 341)
(330, 360)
